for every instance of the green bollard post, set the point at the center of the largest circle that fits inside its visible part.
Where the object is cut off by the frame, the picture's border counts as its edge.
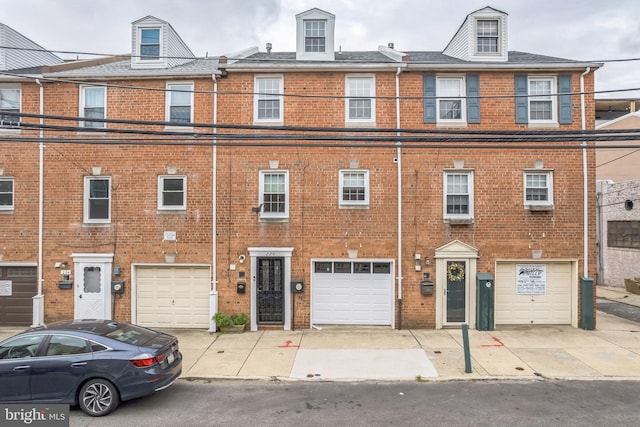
(467, 351)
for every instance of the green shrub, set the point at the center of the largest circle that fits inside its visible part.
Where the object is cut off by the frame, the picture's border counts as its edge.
(239, 319)
(223, 319)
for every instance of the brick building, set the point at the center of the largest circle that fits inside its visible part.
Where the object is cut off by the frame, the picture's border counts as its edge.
(318, 186)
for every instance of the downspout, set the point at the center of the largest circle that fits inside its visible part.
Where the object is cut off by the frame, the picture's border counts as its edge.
(38, 299)
(585, 183)
(399, 165)
(213, 294)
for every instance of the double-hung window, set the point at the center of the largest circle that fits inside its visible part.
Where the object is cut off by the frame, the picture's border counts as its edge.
(360, 99)
(542, 99)
(150, 44)
(179, 105)
(450, 92)
(458, 196)
(6, 194)
(267, 103)
(487, 36)
(354, 188)
(10, 102)
(274, 194)
(172, 192)
(538, 190)
(97, 199)
(315, 35)
(93, 102)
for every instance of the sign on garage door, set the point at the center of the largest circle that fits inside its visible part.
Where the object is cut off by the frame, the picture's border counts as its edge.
(352, 293)
(172, 297)
(536, 293)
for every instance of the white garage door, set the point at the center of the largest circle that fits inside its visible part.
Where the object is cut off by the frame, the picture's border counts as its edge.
(352, 293)
(533, 293)
(173, 297)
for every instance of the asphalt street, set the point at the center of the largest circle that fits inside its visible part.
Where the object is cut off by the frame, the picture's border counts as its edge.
(370, 404)
(620, 309)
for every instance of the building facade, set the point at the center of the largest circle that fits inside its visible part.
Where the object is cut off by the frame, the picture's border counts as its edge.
(318, 186)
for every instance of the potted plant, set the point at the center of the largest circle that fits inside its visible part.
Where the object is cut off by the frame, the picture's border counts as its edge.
(230, 322)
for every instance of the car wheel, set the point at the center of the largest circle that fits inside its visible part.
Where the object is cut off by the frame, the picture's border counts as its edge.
(98, 397)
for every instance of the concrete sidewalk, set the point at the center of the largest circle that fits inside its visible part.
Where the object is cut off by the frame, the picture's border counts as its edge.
(612, 351)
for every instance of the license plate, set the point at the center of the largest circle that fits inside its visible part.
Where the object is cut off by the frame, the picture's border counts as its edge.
(171, 358)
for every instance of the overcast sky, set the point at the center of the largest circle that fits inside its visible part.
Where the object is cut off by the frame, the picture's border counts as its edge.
(586, 30)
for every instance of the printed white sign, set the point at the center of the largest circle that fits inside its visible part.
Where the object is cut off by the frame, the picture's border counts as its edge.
(531, 279)
(5, 288)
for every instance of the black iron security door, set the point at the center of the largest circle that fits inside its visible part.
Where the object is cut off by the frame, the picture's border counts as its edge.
(270, 290)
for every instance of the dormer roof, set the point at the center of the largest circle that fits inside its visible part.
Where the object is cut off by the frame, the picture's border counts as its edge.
(481, 37)
(155, 44)
(22, 53)
(315, 30)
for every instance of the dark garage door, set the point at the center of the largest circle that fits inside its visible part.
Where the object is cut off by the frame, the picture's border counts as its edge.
(17, 287)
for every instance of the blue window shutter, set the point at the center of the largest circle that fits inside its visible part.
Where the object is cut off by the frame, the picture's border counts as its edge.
(564, 86)
(429, 93)
(522, 102)
(473, 102)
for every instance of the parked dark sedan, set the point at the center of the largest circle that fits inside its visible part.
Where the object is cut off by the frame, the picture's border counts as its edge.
(91, 363)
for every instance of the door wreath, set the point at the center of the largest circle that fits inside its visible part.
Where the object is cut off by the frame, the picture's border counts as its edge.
(455, 272)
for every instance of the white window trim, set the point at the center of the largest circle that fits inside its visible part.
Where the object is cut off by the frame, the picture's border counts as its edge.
(167, 105)
(11, 207)
(304, 29)
(553, 98)
(372, 95)
(538, 204)
(354, 203)
(274, 215)
(462, 98)
(82, 123)
(280, 119)
(475, 35)
(149, 62)
(18, 87)
(162, 207)
(461, 218)
(87, 220)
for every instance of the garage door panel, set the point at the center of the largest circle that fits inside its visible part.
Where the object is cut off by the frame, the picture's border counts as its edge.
(173, 296)
(552, 307)
(355, 298)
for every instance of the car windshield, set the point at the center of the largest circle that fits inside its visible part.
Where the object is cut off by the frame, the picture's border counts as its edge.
(131, 334)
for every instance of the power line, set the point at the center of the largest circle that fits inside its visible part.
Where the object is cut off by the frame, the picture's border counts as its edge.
(571, 134)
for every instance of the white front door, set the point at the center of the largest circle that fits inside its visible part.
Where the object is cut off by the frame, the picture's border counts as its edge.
(92, 286)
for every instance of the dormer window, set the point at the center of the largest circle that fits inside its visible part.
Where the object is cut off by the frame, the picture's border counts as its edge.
(487, 36)
(315, 36)
(482, 37)
(150, 44)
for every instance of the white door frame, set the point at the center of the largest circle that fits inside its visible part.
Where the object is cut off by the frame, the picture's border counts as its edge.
(456, 251)
(105, 262)
(268, 252)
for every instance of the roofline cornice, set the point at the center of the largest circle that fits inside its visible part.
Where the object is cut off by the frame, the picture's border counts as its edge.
(258, 68)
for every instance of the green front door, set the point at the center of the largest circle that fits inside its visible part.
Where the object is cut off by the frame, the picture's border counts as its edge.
(456, 292)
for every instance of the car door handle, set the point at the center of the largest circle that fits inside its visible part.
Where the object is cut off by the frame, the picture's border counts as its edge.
(78, 364)
(22, 368)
